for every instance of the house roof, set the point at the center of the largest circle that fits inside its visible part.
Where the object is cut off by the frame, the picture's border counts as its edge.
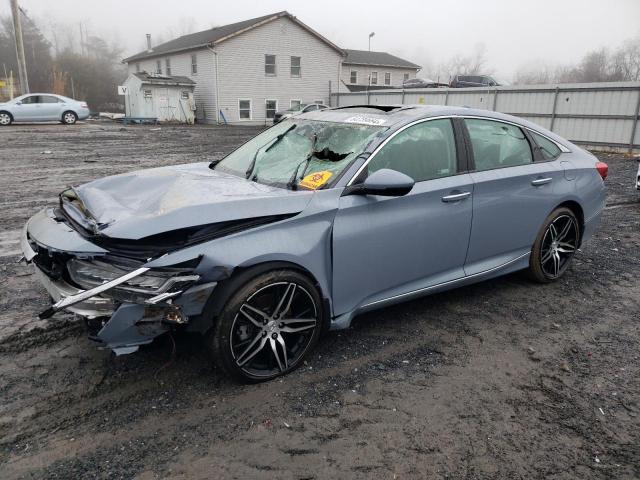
(378, 59)
(217, 35)
(155, 79)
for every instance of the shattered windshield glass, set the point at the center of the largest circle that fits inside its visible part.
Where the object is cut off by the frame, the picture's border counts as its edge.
(299, 154)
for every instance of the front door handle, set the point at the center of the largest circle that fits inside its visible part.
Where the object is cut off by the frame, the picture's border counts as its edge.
(541, 181)
(456, 197)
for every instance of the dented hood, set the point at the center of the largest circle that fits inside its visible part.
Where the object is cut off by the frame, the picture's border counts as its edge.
(147, 202)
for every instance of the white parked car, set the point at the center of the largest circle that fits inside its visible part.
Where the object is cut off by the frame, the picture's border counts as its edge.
(297, 110)
(43, 107)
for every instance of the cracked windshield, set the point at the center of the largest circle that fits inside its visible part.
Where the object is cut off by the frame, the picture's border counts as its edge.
(300, 154)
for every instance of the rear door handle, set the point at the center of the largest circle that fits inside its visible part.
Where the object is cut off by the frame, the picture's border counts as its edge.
(456, 197)
(541, 181)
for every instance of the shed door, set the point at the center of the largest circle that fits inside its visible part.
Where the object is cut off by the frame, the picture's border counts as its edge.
(164, 109)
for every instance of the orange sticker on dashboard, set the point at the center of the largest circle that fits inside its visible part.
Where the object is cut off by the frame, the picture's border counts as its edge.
(315, 180)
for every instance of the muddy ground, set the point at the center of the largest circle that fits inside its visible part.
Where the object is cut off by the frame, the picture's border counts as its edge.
(503, 379)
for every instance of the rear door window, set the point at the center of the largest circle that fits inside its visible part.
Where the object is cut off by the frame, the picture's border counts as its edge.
(48, 99)
(424, 151)
(548, 149)
(497, 145)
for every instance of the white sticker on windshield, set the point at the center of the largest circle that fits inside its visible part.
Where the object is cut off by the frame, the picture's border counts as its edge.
(366, 120)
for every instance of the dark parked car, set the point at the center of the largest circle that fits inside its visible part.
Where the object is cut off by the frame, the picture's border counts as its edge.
(419, 83)
(320, 218)
(462, 81)
(302, 108)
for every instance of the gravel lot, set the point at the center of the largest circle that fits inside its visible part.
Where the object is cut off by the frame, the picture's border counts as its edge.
(503, 379)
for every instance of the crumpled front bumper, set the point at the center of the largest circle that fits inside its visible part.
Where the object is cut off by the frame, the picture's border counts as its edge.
(123, 325)
(90, 308)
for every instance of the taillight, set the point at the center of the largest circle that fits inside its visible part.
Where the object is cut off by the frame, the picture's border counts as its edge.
(84, 105)
(603, 169)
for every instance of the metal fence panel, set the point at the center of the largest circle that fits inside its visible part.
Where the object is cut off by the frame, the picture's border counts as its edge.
(598, 115)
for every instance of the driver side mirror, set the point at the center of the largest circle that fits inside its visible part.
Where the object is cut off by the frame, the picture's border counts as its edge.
(384, 182)
(19, 102)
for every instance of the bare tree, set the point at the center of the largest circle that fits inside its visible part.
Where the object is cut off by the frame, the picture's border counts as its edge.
(601, 65)
(626, 60)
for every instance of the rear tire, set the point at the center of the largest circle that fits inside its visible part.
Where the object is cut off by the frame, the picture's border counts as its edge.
(5, 119)
(267, 327)
(554, 246)
(69, 118)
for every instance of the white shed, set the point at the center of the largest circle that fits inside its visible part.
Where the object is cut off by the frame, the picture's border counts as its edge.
(166, 98)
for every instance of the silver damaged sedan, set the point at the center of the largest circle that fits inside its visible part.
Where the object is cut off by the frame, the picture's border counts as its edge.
(312, 222)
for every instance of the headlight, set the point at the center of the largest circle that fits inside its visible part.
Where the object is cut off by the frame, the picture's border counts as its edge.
(89, 274)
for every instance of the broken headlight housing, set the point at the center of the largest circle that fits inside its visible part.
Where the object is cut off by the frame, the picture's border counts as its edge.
(154, 284)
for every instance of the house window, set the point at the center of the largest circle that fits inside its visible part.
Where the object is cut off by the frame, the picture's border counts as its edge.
(374, 78)
(184, 95)
(159, 67)
(167, 65)
(244, 109)
(137, 68)
(271, 108)
(405, 77)
(387, 78)
(270, 65)
(147, 94)
(354, 77)
(295, 67)
(194, 64)
(319, 102)
(295, 104)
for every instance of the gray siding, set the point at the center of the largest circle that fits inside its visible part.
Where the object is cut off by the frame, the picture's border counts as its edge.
(242, 75)
(397, 74)
(204, 93)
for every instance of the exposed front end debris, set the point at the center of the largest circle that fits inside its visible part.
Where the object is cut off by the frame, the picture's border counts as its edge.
(124, 303)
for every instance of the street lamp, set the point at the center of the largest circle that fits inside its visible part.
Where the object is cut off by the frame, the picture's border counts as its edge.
(371, 35)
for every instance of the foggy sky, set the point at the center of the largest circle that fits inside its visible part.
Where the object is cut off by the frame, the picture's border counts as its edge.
(515, 32)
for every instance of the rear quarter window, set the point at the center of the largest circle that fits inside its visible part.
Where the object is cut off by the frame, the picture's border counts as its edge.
(548, 149)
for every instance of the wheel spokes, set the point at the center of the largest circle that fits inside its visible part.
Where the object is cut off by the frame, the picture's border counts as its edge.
(294, 325)
(281, 357)
(248, 311)
(556, 263)
(566, 247)
(266, 320)
(546, 257)
(251, 351)
(565, 231)
(561, 245)
(285, 302)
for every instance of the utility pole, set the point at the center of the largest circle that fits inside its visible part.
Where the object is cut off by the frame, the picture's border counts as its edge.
(17, 30)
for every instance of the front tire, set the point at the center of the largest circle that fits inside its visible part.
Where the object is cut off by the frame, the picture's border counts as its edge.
(5, 119)
(69, 118)
(555, 246)
(267, 326)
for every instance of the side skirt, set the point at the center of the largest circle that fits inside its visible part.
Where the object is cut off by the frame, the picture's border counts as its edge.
(344, 321)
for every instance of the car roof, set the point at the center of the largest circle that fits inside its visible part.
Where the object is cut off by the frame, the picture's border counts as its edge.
(395, 116)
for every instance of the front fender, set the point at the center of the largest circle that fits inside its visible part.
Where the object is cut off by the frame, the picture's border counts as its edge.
(303, 240)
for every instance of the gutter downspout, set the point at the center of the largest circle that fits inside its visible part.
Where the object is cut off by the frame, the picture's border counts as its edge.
(217, 89)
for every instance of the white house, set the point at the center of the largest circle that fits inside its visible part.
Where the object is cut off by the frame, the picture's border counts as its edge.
(246, 71)
(166, 98)
(362, 68)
